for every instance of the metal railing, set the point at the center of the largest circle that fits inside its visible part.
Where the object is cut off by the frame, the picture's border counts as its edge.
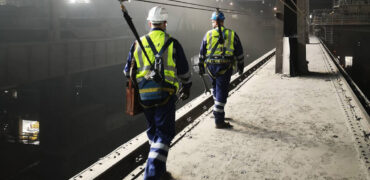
(340, 17)
(360, 95)
(339, 3)
(341, 20)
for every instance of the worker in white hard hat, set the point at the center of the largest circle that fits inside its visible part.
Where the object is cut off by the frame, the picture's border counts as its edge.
(217, 58)
(158, 86)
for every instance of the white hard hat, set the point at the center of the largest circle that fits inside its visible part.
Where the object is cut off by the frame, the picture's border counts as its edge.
(157, 15)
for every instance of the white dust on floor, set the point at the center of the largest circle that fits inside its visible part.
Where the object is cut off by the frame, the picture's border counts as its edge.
(284, 128)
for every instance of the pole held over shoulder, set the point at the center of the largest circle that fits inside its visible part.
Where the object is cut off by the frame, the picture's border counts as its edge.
(133, 29)
(221, 37)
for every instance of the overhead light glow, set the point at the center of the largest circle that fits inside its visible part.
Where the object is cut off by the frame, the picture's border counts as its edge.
(15, 94)
(231, 3)
(79, 1)
(275, 8)
(30, 131)
(348, 61)
(2, 2)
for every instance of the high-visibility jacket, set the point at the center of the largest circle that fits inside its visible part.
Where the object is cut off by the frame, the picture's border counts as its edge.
(223, 51)
(148, 89)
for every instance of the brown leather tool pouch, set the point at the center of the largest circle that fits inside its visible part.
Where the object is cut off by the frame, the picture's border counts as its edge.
(133, 106)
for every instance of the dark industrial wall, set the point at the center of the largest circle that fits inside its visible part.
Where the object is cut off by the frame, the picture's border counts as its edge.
(75, 86)
(354, 41)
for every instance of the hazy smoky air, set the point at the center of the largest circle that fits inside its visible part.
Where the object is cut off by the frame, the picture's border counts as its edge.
(61, 20)
(61, 64)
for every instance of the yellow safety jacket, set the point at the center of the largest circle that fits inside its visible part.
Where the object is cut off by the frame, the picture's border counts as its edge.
(148, 89)
(223, 52)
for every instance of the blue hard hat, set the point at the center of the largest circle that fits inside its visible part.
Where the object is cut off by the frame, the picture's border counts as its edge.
(221, 16)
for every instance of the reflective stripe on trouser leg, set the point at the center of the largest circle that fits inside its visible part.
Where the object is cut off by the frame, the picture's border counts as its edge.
(218, 107)
(218, 112)
(221, 86)
(156, 163)
(164, 123)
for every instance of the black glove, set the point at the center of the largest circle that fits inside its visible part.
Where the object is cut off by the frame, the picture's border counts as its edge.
(202, 71)
(185, 94)
(240, 69)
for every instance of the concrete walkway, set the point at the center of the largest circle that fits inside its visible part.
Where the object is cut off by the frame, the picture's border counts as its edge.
(284, 128)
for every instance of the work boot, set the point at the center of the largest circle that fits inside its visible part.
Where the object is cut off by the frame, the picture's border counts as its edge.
(167, 176)
(224, 125)
(226, 118)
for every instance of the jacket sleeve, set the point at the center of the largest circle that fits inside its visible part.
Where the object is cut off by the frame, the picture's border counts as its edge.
(238, 53)
(183, 71)
(130, 57)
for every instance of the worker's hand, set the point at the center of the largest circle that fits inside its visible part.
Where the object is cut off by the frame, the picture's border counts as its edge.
(202, 71)
(240, 69)
(185, 94)
(240, 72)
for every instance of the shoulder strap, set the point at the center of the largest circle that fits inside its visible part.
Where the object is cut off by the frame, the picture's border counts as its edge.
(164, 47)
(224, 35)
(215, 47)
(151, 44)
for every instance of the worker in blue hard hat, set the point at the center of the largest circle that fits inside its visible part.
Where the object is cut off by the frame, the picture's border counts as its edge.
(158, 87)
(218, 15)
(218, 55)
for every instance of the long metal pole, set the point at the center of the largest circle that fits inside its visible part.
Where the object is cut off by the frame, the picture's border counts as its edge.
(221, 37)
(133, 29)
(206, 89)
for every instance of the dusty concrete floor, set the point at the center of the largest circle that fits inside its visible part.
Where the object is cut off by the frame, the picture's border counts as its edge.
(284, 128)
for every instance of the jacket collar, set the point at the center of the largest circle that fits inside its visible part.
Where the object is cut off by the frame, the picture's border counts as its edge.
(156, 29)
(222, 27)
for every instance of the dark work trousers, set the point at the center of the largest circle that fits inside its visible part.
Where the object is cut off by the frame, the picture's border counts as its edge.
(220, 90)
(161, 131)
